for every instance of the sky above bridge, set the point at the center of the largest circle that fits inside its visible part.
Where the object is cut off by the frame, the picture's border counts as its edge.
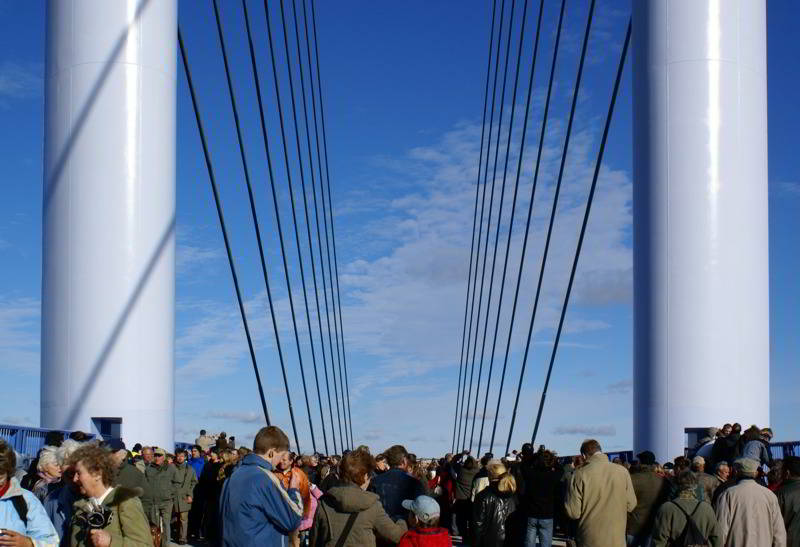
(403, 85)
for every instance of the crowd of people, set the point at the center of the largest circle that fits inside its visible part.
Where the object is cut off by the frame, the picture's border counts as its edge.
(727, 491)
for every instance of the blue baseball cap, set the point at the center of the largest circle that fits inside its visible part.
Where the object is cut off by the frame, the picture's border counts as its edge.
(424, 507)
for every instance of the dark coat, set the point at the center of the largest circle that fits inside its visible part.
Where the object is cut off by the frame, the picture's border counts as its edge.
(392, 488)
(334, 510)
(543, 491)
(670, 521)
(463, 480)
(789, 501)
(130, 477)
(492, 514)
(651, 491)
(726, 449)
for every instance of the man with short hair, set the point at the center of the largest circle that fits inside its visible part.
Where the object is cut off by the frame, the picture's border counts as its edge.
(255, 508)
(708, 483)
(600, 496)
(748, 513)
(651, 491)
(204, 441)
(183, 482)
(396, 484)
(789, 500)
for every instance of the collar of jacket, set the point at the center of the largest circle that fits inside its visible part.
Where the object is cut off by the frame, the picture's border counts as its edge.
(598, 457)
(14, 489)
(161, 467)
(258, 461)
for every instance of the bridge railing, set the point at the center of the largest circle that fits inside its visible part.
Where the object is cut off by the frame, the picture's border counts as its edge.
(27, 440)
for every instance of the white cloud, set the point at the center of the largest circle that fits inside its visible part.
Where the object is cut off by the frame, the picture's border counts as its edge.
(19, 81)
(188, 257)
(622, 387)
(19, 334)
(586, 430)
(250, 417)
(791, 188)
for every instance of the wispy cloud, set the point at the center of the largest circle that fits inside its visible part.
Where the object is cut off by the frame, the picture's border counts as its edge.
(19, 334)
(587, 430)
(250, 417)
(19, 81)
(623, 387)
(790, 188)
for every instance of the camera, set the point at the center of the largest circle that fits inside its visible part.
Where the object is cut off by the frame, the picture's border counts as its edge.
(96, 519)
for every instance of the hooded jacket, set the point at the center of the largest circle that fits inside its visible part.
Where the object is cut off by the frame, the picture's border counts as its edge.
(38, 528)
(491, 514)
(127, 526)
(334, 510)
(255, 508)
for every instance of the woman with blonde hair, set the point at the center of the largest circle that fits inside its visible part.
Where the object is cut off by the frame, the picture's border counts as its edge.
(493, 509)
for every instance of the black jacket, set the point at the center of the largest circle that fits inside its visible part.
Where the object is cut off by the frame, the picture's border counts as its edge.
(543, 491)
(725, 449)
(492, 515)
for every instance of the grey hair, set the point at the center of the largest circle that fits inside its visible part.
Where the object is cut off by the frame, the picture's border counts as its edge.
(67, 448)
(722, 464)
(47, 456)
(687, 480)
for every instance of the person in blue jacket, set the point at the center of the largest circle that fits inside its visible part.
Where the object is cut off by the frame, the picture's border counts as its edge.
(255, 508)
(23, 521)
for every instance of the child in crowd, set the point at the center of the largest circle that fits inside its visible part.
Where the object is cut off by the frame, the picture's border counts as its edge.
(423, 525)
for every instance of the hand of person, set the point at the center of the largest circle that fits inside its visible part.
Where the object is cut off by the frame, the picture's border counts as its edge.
(188, 499)
(10, 538)
(100, 538)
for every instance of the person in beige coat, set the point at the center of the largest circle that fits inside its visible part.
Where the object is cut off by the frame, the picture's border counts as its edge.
(599, 496)
(749, 514)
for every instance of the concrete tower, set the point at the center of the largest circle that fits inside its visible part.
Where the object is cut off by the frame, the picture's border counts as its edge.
(701, 287)
(108, 254)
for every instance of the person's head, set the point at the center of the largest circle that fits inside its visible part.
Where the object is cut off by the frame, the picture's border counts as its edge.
(271, 443)
(736, 428)
(646, 458)
(397, 456)
(94, 470)
(48, 463)
(495, 470)
(54, 438)
(202, 432)
(363, 448)
(545, 460)
(791, 466)
(726, 430)
(777, 472)
(147, 454)
(180, 457)
(686, 480)
(356, 468)
(590, 447)
(195, 451)
(159, 456)
(381, 464)
(213, 454)
(698, 464)
(63, 454)
(723, 471)
(286, 461)
(223, 435)
(116, 448)
(423, 512)
(746, 467)
(486, 459)
(80, 436)
(471, 463)
(243, 451)
(766, 434)
(8, 462)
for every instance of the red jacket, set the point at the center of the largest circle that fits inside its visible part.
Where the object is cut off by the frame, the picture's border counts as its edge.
(426, 537)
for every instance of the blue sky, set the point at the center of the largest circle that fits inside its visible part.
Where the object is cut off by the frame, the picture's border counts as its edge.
(403, 88)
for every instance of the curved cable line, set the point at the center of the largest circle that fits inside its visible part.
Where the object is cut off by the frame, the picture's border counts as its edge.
(499, 213)
(456, 421)
(586, 213)
(316, 215)
(272, 175)
(513, 204)
(305, 199)
(552, 217)
(251, 198)
(221, 216)
(328, 181)
(530, 213)
(480, 225)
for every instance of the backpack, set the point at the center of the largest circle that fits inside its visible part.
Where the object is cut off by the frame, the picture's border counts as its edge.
(691, 535)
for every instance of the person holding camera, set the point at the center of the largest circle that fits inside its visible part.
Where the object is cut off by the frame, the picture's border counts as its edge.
(109, 514)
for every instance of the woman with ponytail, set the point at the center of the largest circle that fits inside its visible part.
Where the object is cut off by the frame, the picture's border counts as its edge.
(493, 509)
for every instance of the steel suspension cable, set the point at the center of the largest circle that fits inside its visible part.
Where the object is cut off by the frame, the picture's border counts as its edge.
(316, 216)
(552, 217)
(586, 213)
(513, 205)
(212, 179)
(305, 198)
(328, 182)
(500, 212)
(456, 420)
(302, 182)
(480, 226)
(530, 213)
(253, 212)
(273, 190)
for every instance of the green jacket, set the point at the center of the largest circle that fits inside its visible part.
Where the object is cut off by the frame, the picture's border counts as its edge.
(651, 491)
(160, 488)
(183, 483)
(128, 526)
(670, 521)
(789, 501)
(334, 510)
(130, 477)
